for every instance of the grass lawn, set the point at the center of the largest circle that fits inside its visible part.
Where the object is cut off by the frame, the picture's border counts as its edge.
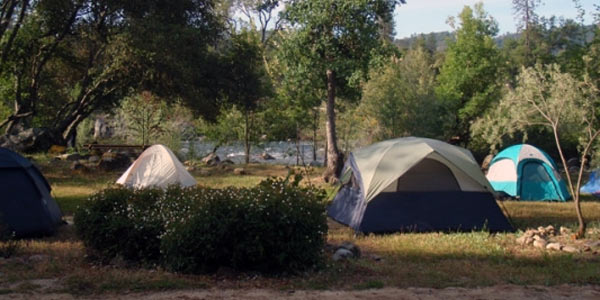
(436, 260)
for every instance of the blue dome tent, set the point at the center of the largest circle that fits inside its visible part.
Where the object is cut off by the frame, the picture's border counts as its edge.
(528, 173)
(26, 206)
(593, 184)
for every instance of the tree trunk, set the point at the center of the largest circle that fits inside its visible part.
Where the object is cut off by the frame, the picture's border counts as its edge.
(314, 152)
(247, 138)
(574, 190)
(334, 164)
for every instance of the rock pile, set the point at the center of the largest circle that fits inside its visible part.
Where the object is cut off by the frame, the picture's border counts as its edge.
(547, 238)
(346, 250)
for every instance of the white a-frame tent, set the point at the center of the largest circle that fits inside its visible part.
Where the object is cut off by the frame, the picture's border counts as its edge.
(157, 166)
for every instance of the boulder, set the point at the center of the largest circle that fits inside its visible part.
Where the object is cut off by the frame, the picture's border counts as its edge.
(94, 159)
(211, 159)
(70, 157)
(541, 243)
(550, 230)
(553, 246)
(538, 237)
(342, 253)
(351, 247)
(239, 171)
(266, 156)
(570, 249)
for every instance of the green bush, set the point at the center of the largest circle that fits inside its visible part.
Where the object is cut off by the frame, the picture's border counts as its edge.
(276, 226)
(122, 222)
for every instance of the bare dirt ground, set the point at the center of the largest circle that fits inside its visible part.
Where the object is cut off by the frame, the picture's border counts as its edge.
(493, 292)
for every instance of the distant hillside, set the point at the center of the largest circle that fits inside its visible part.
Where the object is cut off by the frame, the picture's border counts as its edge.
(434, 41)
(437, 41)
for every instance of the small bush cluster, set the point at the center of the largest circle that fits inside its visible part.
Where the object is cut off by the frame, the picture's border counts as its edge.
(277, 226)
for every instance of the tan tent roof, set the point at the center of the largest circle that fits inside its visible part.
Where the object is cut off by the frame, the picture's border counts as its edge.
(382, 163)
(157, 166)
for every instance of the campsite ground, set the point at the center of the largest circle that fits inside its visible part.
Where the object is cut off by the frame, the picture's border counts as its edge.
(406, 266)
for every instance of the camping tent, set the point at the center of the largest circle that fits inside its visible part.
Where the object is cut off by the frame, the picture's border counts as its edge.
(26, 206)
(527, 172)
(593, 184)
(415, 184)
(157, 166)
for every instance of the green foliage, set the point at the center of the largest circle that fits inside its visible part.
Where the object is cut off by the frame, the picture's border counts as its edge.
(274, 227)
(400, 98)
(469, 79)
(144, 116)
(277, 226)
(341, 36)
(225, 129)
(120, 222)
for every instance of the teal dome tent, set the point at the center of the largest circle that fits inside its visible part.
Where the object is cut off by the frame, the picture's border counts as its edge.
(528, 173)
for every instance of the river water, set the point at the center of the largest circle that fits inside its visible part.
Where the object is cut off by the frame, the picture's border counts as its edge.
(283, 152)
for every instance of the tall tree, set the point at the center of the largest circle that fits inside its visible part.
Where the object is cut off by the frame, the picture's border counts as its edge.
(470, 76)
(336, 40)
(527, 18)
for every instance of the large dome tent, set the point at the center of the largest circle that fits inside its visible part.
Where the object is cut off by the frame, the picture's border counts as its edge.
(26, 206)
(415, 184)
(157, 166)
(528, 173)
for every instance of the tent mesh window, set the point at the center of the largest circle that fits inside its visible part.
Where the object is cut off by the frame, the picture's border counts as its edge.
(428, 175)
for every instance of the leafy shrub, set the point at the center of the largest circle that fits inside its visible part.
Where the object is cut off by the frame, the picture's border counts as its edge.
(122, 222)
(273, 227)
(276, 226)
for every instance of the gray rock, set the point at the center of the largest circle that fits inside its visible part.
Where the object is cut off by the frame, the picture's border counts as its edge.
(211, 159)
(553, 246)
(541, 244)
(267, 156)
(70, 156)
(94, 159)
(342, 253)
(593, 244)
(351, 247)
(570, 249)
(564, 230)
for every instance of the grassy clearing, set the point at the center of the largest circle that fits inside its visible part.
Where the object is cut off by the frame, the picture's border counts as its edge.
(398, 260)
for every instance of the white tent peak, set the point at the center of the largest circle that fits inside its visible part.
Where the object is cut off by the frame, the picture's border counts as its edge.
(157, 166)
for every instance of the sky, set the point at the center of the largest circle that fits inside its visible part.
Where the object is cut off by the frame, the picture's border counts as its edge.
(425, 16)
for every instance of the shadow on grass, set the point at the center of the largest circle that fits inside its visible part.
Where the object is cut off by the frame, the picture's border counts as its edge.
(442, 271)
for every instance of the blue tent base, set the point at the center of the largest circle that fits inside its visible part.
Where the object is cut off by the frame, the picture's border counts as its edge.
(424, 212)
